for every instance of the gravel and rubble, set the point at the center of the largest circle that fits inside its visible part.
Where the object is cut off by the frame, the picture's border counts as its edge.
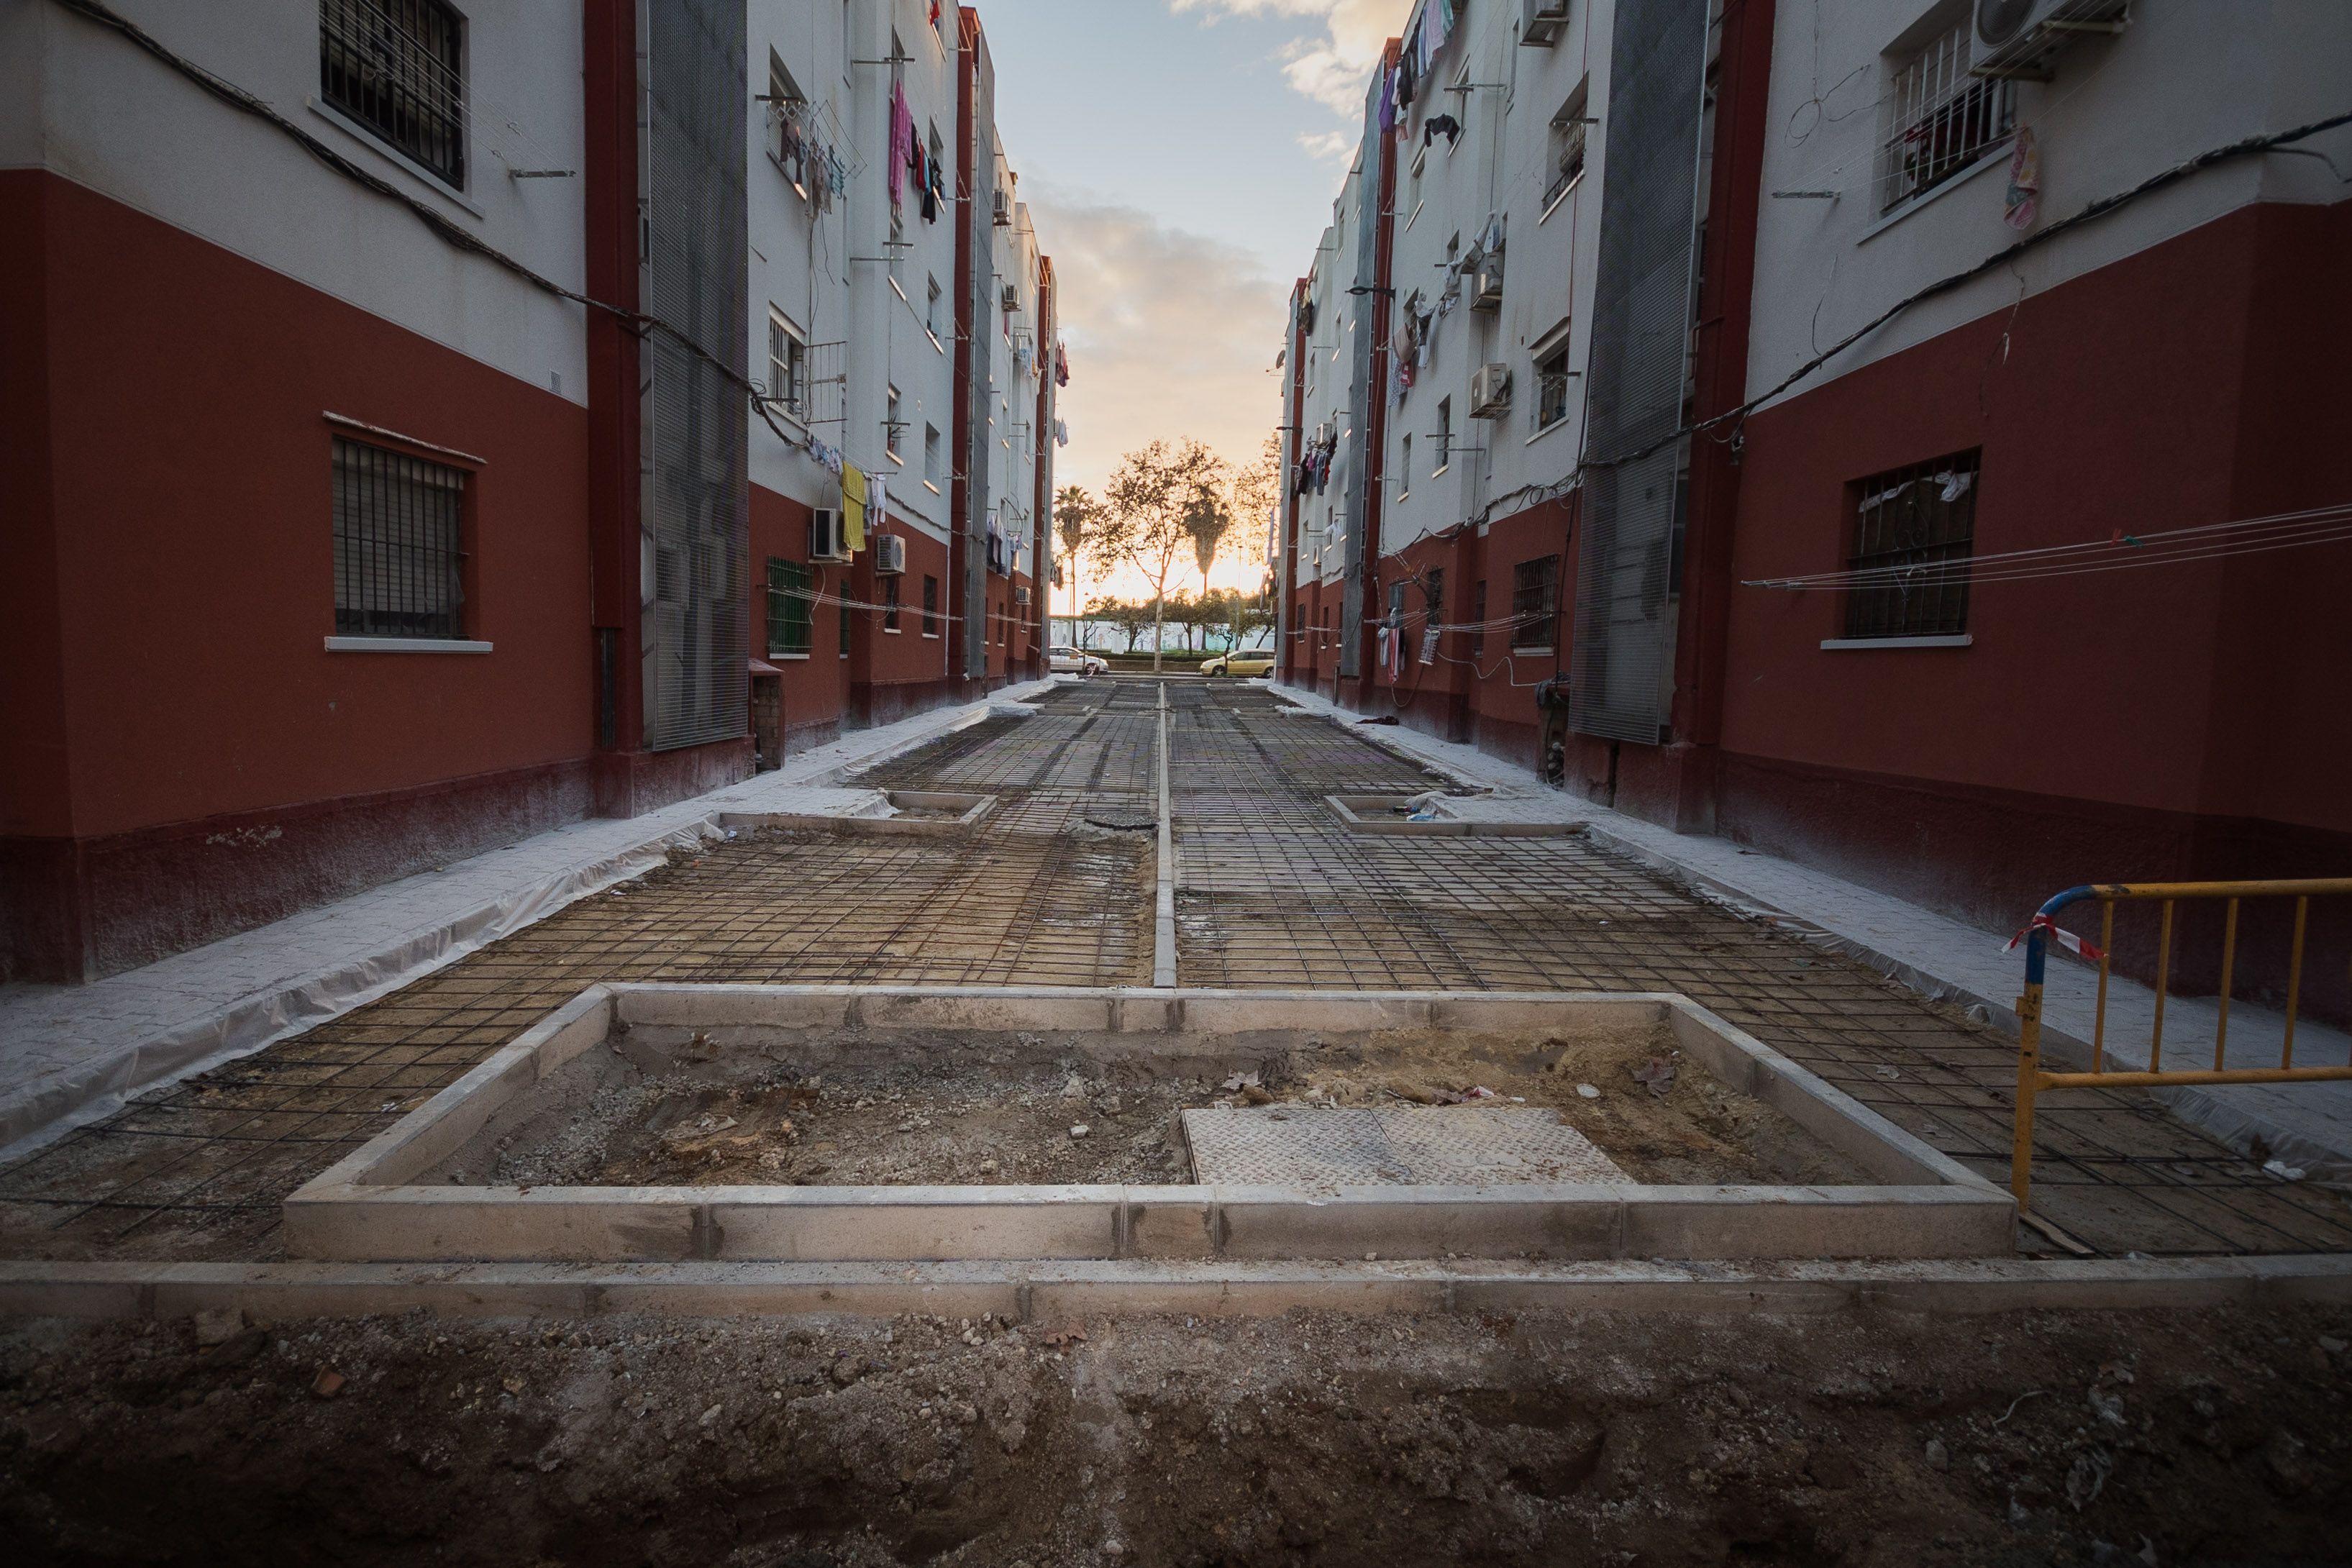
(849, 1108)
(1871, 1439)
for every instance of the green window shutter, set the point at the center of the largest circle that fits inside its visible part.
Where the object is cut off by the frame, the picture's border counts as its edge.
(790, 605)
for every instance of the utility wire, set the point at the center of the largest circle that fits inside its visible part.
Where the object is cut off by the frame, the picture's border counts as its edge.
(2251, 146)
(2120, 551)
(228, 92)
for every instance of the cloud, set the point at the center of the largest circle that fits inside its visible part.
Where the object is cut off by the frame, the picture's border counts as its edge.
(1170, 335)
(1329, 144)
(1332, 66)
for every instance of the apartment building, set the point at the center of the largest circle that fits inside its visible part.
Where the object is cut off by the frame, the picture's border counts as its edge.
(504, 415)
(2172, 363)
(1736, 354)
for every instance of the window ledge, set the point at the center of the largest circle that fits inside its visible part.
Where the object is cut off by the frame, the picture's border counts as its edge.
(1531, 653)
(1997, 156)
(787, 656)
(405, 645)
(1544, 430)
(1565, 191)
(1841, 644)
(402, 161)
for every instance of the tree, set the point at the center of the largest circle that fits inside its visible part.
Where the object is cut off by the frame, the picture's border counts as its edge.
(1206, 521)
(1127, 618)
(1078, 523)
(1156, 487)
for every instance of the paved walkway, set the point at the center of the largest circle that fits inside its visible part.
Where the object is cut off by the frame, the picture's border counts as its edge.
(69, 1052)
(2308, 1126)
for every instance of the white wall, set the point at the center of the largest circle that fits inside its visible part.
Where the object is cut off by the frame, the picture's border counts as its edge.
(800, 254)
(887, 342)
(86, 104)
(1498, 167)
(2185, 76)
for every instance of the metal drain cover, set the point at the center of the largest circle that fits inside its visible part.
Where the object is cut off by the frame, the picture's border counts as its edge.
(1437, 1145)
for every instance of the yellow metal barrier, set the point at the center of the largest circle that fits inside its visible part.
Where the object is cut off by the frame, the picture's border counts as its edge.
(2032, 1081)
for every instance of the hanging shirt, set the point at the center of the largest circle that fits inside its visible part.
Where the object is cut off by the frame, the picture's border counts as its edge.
(853, 506)
(902, 136)
(1438, 125)
(877, 511)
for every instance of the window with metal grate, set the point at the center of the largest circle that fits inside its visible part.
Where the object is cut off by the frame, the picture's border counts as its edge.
(1535, 604)
(1941, 118)
(1914, 530)
(397, 67)
(789, 607)
(399, 544)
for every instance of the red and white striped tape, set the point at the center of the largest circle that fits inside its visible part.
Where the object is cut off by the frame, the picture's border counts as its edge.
(2086, 951)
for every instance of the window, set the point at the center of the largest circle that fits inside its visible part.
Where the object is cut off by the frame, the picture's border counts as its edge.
(1412, 207)
(1551, 387)
(889, 604)
(842, 611)
(1568, 138)
(1396, 603)
(891, 425)
(1914, 530)
(1535, 604)
(933, 453)
(1404, 466)
(1445, 435)
(786, 143)
(399, 544)
(1478, 617)
(1939, 119)
(931, 323)
(931, 605)
(397, 67)
(790, 604)
(787, 362)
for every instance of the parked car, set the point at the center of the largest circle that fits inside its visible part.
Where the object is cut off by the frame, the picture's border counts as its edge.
(1247, 661)
(1075, 661)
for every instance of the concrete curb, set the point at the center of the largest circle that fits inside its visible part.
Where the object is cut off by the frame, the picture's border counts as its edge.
(1061, 1292)
(43, 1109)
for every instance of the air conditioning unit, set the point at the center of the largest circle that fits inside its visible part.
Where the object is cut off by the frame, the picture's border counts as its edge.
(1020, 596)
(2011, 34)
(1003, 216)
(1011, 298)
(1486, 284)
(889, 555)
(1543, 21)
(828, 539)
(1490, 391)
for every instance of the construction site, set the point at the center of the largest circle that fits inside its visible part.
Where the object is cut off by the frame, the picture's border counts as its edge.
(1074, 1139)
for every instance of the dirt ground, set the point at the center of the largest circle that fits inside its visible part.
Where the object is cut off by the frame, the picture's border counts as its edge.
(948, 1108)
(2157, 1438)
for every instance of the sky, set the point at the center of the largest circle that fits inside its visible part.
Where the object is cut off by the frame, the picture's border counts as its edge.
(1179, 158)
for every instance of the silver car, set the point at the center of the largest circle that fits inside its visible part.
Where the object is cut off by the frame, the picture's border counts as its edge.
(1065, 660)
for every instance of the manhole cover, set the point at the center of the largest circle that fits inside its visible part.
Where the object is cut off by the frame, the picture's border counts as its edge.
(1448, 1145)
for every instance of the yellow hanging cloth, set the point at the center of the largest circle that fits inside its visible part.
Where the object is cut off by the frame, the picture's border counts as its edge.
(853, 506)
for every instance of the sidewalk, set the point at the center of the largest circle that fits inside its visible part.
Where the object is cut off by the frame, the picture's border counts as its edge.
(2308, 1126)
(70, 1053)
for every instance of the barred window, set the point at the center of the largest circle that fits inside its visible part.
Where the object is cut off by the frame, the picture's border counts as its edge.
(1941, 119)
(1535, 604)
(889, 604)
(1478, 617)
(397, 67)
(930, 606)
(1914, 530)
(399, 538)
(1551, 388)
(789, 607)
(787, 363)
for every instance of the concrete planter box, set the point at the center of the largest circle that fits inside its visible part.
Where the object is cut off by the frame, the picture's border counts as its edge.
(1377, 814)
(942, 812)
(379, 1204)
